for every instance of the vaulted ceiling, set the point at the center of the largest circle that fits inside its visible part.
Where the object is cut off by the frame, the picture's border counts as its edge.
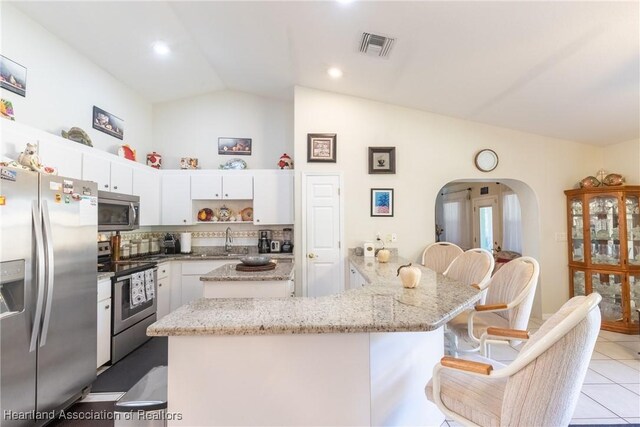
(564, 69)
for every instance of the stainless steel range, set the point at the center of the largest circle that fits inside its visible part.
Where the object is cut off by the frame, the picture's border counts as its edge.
(133, 289)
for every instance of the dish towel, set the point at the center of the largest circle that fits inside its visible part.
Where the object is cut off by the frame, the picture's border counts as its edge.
(149, 284)
(137, 289)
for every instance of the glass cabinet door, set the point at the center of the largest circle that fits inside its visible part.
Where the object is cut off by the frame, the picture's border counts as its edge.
(632, 208)
(634, 288)
(609, 285)
(576, 231)
(578, 278)
(604, 232)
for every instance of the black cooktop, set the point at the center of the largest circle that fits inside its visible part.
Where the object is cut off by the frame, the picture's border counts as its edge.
(123, 268)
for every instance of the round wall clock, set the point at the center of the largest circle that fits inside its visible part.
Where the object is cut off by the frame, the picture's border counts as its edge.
(486, 160)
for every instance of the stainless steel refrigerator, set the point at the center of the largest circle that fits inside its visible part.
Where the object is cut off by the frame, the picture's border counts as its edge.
(48, 252)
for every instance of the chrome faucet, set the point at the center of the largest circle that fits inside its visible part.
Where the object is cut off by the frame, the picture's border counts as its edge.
(228, 239)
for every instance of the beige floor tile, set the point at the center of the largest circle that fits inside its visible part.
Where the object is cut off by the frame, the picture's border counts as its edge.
(598, 421)
(633, 387)
(615, 371)
(635, 364)
(616, 351)
(595, 378)
(588, 408)
(614, 336)
(599, 356)
(633, 345)
(614, 397)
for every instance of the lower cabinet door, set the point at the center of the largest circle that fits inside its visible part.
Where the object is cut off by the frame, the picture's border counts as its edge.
(104, 332)
(164, 297)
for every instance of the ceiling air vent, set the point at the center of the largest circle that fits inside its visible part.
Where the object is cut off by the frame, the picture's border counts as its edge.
(376, 45)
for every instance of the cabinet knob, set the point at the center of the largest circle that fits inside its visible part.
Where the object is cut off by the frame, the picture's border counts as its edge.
(226, 195)
(115, 187)
(106, 307)
(184, 220)
(217, 195)
(106, 186)
(257, 220)
(159, 285)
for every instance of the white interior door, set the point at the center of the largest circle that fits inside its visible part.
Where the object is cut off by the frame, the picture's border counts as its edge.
(486, 225)
(324, 270)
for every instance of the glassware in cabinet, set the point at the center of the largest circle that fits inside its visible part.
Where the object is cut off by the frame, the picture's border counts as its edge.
(632, 212)
(576, 224)
(634, 288)
(578, 280)
(609, 285)
(604, 229)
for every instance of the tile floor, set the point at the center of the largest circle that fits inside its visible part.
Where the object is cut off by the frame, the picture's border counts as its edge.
(611, 390)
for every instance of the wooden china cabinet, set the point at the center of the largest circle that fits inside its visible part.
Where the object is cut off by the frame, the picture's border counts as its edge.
(604, 251)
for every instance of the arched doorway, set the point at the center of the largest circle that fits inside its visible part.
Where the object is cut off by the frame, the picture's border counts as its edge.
(498, 215)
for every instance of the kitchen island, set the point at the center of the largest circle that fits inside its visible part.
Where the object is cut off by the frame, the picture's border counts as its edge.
(227, 282)
(361, 357)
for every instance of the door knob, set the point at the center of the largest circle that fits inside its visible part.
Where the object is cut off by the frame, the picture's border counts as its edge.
(311, 256)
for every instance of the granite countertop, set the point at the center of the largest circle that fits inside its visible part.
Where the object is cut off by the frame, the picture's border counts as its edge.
(228, 273)
(106, 275)
(383, 306)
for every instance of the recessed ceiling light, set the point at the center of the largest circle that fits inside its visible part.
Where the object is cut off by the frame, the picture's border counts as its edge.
(334, 73)
(161, 48)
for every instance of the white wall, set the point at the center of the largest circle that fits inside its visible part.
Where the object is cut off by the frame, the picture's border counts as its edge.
(622, 158)
(433, 150)
(190, 127)
(63, 86)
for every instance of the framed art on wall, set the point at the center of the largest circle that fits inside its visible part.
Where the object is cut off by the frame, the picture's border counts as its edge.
(108, 123)
(321, 147)
(382, 160)
(13, 76)
(234, 146)
(382, 202)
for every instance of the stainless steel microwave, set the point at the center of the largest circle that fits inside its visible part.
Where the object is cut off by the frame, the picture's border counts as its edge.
(118, 212)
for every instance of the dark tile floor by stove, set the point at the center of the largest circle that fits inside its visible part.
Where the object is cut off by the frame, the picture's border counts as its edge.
(118, 378)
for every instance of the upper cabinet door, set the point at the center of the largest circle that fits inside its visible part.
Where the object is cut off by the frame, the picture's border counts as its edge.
(604, 229)
(67, 160)
(206, 186)
(97, 169)
(176, 199)
(273, 198)
(121, 178)
(237, 187)
(146, 185)
(632, 212)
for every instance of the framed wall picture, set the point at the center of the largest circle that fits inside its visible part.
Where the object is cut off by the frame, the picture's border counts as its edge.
(382, 160)
(108, 123)
(234, 146)
(321, 147)
(13, 76)
(382, 202)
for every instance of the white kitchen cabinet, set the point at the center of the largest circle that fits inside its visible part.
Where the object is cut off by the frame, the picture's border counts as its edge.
(206, 186)
(146, 185)
(221, 186)
(97, 169)
(176, 199)
(65, 158)
(104, 323)
(192, 287)
(356, 280)
(164, 290)
(237, 187)
(249, 289)
(175, 274)
(121, 178)
(273, 197)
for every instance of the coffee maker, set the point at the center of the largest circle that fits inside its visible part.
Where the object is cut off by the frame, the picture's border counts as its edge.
(287, 243)
(264, 244)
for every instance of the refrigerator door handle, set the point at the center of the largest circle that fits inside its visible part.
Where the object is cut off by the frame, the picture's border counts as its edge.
(50, 272)
(40, 272)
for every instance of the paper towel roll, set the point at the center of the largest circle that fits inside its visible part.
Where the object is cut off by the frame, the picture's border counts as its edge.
(185, 243)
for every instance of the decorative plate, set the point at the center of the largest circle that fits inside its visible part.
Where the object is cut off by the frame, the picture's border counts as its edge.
(127, 152)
